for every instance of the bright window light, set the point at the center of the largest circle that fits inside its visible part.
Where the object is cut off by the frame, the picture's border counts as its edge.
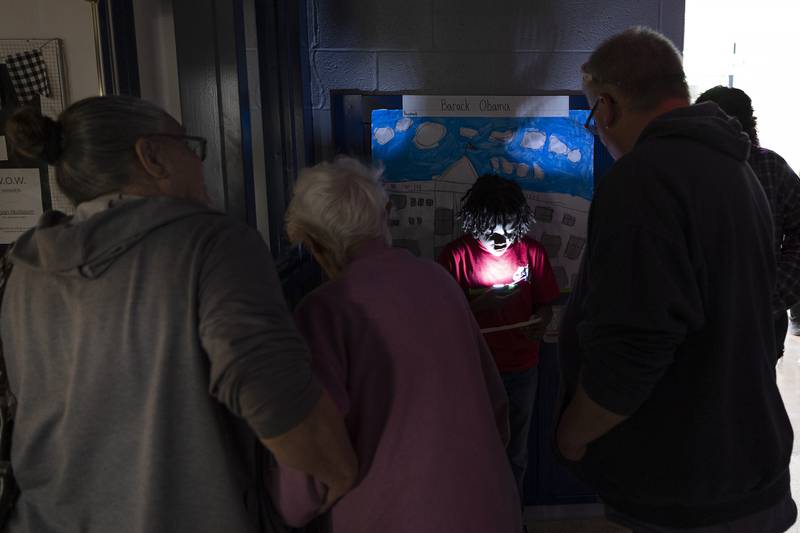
(753, 47)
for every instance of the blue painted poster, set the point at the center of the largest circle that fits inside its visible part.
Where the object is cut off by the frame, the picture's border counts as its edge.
(436, 147)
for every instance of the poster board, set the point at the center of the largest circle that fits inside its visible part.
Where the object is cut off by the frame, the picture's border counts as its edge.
(435, 147)
(19, 184)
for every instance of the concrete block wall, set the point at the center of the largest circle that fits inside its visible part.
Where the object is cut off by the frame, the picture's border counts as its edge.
(501, 47)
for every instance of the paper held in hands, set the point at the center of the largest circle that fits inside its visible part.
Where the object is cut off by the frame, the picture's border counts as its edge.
(534, 319)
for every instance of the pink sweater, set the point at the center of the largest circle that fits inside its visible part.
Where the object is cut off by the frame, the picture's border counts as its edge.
(396, 345)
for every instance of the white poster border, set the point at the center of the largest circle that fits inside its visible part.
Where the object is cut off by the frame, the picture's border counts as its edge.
(485, 106)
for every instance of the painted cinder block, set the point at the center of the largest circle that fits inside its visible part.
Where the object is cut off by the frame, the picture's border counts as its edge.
(544, 25)
(373, 24)
(506, 73)
(511, 47)
(340, 70)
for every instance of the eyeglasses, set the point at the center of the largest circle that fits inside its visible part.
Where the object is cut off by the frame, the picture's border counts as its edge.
(590, 125)
(196, 144)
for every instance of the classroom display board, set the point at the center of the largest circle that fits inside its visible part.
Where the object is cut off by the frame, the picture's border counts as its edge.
(31, 74)
(435, 147)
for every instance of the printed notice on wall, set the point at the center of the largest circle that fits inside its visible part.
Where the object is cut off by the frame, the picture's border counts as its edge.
(3, 149)
(20, 202)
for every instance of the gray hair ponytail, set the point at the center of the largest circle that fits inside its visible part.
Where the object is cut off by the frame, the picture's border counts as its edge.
(92, 143)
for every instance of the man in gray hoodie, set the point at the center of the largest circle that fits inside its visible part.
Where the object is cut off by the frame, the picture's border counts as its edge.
(147, 342)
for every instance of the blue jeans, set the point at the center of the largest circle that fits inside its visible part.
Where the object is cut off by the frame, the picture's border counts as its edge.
(521, 390)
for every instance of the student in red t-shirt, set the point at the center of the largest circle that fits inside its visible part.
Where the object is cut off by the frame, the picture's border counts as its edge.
(509, 282)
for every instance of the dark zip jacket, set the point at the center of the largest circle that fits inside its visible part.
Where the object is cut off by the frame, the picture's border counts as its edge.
(671, 324)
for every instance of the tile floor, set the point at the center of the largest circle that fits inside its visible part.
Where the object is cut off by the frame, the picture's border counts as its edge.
(588, 518)
(789, 383)
(583, 518)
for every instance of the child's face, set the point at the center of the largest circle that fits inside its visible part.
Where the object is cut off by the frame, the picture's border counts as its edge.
(497, 240)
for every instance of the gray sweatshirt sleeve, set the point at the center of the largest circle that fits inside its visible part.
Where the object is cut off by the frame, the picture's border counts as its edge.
(260, 366)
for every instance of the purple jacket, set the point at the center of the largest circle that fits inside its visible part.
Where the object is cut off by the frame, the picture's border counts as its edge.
(396, 345)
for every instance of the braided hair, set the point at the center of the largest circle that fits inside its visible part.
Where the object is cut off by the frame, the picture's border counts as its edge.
(495, 200)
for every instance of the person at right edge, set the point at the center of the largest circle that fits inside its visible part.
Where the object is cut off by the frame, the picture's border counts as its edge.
(782, 187)
(667, 346)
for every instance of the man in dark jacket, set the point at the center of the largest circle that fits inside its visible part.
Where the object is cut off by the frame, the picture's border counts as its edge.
(667, 346)
(782, 187)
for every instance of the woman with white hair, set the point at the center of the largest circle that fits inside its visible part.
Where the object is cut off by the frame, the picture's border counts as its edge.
(397, 347)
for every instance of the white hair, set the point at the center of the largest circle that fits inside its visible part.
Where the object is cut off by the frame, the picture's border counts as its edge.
(338, 205)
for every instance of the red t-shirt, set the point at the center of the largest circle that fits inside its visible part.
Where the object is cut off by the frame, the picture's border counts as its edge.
(526, 264)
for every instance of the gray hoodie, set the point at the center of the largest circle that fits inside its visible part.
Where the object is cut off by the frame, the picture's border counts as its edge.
(131, 338)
